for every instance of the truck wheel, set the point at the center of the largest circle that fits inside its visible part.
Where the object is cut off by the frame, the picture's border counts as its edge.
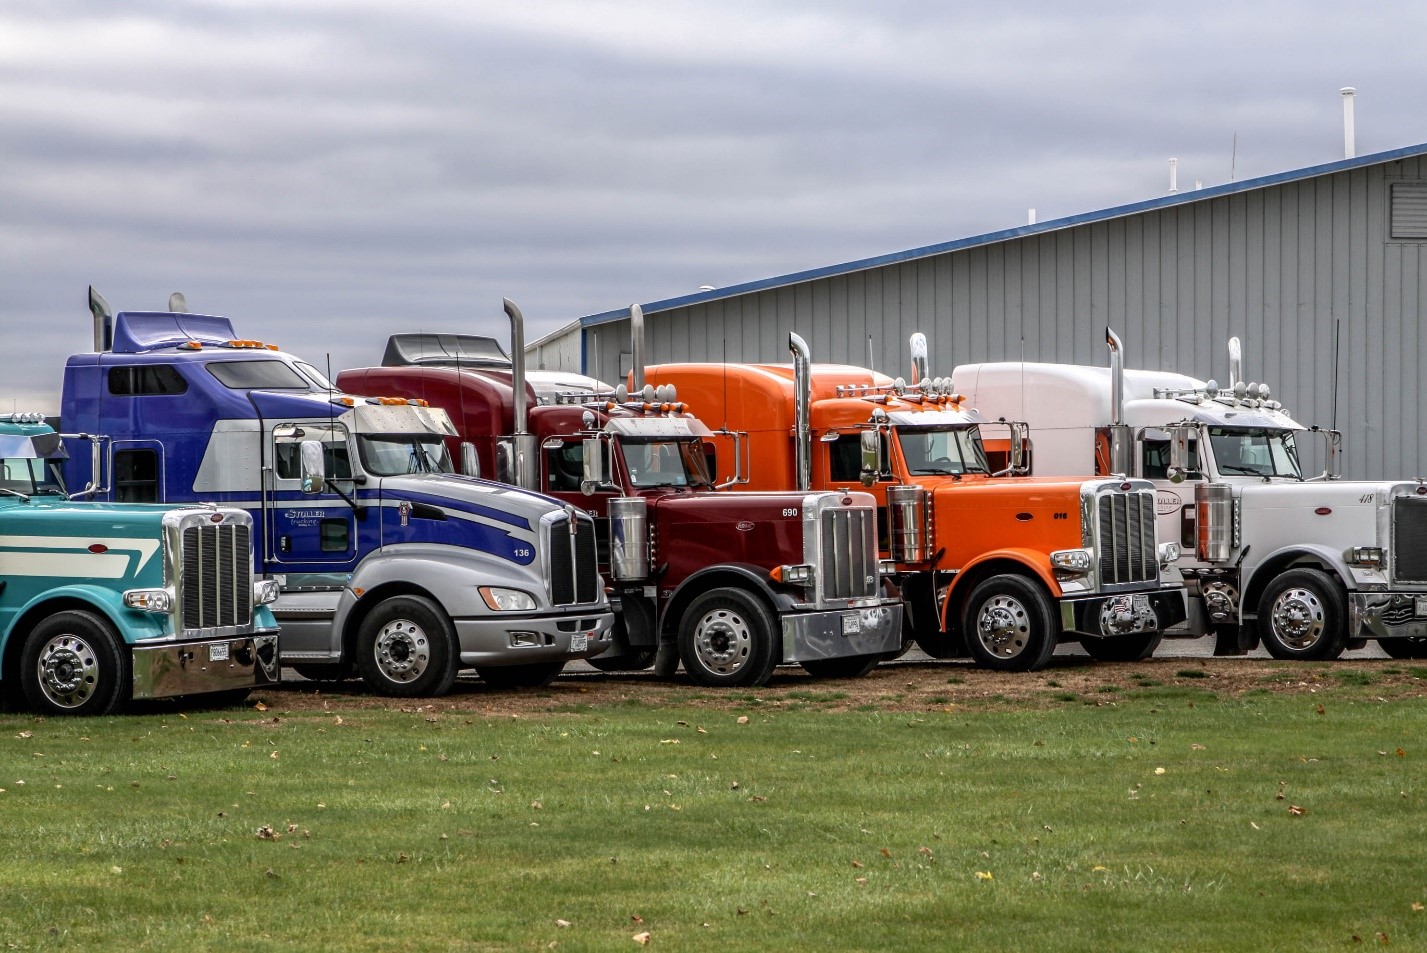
(535, 675)
(1404, 648)
(854, 666)
(1122, 648)
(73, 663)
(726, 639)
(1010, 625)
(406, 649)
(1301, 616)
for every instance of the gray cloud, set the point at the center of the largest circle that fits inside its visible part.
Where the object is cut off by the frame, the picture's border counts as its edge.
(328, 172)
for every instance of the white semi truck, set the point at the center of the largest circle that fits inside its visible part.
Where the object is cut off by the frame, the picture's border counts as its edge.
(1309, 565)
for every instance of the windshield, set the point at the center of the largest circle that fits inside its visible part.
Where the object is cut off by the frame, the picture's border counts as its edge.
(395, 454)
(1257, 452)
(944, 450)
(30, 476)
(665, 463)
(317, 376)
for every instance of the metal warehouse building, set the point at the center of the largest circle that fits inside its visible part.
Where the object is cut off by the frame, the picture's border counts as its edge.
(1285, 262)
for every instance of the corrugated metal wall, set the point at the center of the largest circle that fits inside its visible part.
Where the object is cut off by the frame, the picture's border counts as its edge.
(1277, 266)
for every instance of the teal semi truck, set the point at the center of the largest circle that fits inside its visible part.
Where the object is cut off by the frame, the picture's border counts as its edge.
(104, 603)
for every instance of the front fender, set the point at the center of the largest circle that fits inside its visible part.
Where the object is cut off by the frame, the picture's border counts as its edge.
(739, 575)
(131, 624)
(1029, 562)
(1256, 578)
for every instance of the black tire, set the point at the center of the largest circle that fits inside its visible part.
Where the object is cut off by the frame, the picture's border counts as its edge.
(406, 648)
(74, 663)
(1122, 648)
(1404, 648)
(535, 675)
(854, 666)
(635, 660)
(1010, 624)
(726, 638)
(1302, 616)
(323, 673)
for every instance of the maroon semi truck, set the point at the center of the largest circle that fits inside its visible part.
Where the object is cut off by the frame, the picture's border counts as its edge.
(730, 584)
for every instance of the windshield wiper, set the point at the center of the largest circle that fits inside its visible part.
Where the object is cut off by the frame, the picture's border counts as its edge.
(1251, 471)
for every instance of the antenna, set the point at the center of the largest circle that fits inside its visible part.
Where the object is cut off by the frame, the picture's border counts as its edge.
(1337, 331)
(870, 365)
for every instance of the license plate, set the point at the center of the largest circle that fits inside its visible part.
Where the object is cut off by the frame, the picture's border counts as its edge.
(218, 652)
(1142, 602)
(851, 623)
(579, 643)
(1419, 606)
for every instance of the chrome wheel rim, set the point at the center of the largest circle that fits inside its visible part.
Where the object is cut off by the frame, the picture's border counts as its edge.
(1297, 618)
(1003, 626)
(402, 650)
(723, 642)
(68, 670)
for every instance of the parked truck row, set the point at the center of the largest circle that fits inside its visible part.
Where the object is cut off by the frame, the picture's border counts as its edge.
(448, 510)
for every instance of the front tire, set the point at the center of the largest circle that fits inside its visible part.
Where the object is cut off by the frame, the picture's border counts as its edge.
(73, 663)
(1302, 617)
(406, 648)
(1404, 648)
(1010, 625)
(726, 639)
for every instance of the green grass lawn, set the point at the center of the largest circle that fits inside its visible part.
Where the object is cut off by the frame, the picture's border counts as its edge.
(1170, 819)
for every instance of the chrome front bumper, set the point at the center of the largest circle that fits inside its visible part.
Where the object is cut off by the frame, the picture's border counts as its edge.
(168, 669)
(1166, 607)
(1385, 615)
(842, 633)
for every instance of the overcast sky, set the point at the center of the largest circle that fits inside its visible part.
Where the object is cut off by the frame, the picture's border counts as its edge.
(327, 172)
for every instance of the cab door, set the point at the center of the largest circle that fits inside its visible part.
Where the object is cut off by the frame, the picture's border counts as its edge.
(312, 531)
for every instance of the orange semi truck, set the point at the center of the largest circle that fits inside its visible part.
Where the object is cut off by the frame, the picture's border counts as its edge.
(997, 566)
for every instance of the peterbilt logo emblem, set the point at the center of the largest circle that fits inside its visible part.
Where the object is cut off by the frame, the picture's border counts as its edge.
(743, 526)
(1167, 502)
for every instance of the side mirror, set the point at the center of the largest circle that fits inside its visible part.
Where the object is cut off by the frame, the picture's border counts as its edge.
(871, 445)
(314, 470)
(594, 471)
(1018, 446)
(1178, 455)
(470, 463)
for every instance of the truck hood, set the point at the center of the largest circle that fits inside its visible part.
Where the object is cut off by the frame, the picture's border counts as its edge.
(506, 504)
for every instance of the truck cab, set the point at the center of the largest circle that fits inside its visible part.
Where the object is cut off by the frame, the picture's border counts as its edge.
(390, 564)
(102, 604)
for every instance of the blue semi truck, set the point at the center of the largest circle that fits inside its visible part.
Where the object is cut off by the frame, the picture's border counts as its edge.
(105, 603)
(390, 564)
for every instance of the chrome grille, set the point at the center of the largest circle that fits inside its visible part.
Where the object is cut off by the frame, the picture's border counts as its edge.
(849, 552)
(1126, 539)
(574, 571)
(217, 580)
(1409, 540)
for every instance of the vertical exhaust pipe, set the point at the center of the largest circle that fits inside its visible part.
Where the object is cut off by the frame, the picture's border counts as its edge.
(1117, 377)
(1236, 363)
(522, 451)
(802, 409)
(636, 347)
(919, 358)
(103, 321)
(1350, 134)
(1121, 440)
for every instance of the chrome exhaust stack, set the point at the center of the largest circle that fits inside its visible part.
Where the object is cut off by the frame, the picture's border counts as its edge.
(1121, 442)
(103, 321)
(919, 358)
(522, 457)
(802, 411)
(636, 347)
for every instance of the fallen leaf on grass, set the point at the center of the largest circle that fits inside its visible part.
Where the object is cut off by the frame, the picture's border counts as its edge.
(261, 707)
(1416, 907)
(1196, 747)
(862, 881)
(1401, 753)
(1159, 770)
(642, 938)
(743, 719)
(562, 923)
(886, 853)
(266, 832)
(857, 864)
(985, 875)
(1297, 811)
(924, 851)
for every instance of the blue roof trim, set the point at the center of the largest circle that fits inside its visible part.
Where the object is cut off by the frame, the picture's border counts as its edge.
(926, 251)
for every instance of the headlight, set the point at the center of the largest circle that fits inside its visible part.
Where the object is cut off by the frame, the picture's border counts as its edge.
(1168, 553)
(1075, 561)
(149, 600)
(507, 600)
(265, 591)
(1367, 556)
(887, 567)
(799, 575)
